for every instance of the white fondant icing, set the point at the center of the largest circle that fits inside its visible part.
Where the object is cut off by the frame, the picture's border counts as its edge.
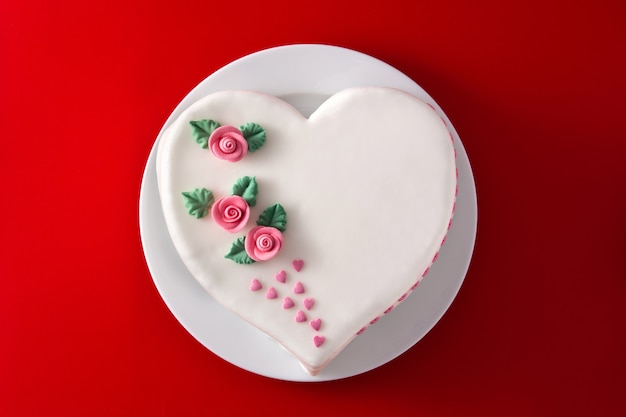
(368, 183)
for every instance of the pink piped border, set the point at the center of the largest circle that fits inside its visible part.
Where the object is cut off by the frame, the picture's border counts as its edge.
(436, 256)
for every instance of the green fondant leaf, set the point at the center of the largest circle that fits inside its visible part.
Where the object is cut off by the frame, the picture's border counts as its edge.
(254, 134)
(198, 202)
(246, 188)
(274, 216)
(238, 253)
(202, 129)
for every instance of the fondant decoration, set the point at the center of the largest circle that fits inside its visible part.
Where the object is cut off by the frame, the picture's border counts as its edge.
(231, 213)
(298, 288)
(237, 253)
(316, 324)
(228, 143)
(254, 134)
(298, 264)
(246, 188)
(274, 216)
(300, 316)
(319, 340)
(255, 285)
(263, 243)
(201, 131)
(348, 217)
(308, 303)
(198, 202)
(281, 277)
(271, 293)
(288, 303)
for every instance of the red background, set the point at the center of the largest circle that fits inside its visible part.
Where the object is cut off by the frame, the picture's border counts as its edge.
(536, 90)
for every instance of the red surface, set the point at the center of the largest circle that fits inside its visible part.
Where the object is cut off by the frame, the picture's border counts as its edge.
(536, 91)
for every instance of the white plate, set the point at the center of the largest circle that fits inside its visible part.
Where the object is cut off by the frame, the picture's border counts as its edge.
(305, 75)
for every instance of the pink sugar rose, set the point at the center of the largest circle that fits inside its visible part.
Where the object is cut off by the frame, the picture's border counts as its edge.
(231, 213)
(263, 242)
(228, 143)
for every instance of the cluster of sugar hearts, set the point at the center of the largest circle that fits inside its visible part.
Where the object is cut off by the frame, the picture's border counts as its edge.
(289, 303)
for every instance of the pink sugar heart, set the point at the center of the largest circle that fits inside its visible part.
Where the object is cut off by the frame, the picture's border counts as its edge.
(298, 288)
(271, 293)
(308, 303)
(318, 340)
(316, 324)
(255, 285)
(300, 316)
(281, 276)
(298, 264)
(287, 303)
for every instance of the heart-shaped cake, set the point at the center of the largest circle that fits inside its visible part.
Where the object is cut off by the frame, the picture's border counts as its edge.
(309, 229)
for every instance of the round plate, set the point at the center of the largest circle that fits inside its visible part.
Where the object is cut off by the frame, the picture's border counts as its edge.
(305, 76)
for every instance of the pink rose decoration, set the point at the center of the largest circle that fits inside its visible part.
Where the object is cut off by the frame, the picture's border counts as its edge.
(228, 143)
(231, 213)
(263, 242)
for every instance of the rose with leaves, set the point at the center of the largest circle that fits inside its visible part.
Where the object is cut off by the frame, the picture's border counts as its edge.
(228, 142)
(262, 242)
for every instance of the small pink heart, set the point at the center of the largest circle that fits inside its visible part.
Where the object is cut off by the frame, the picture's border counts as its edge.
(316, 324)
(308, 303)
(300, 316)
(287, 303)
(318, 340)
(298, 288)
(298, 264)
(281, 276)
(271, 293)
(255, 285)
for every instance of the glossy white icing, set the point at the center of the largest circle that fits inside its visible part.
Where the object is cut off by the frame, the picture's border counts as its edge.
(368, 183)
